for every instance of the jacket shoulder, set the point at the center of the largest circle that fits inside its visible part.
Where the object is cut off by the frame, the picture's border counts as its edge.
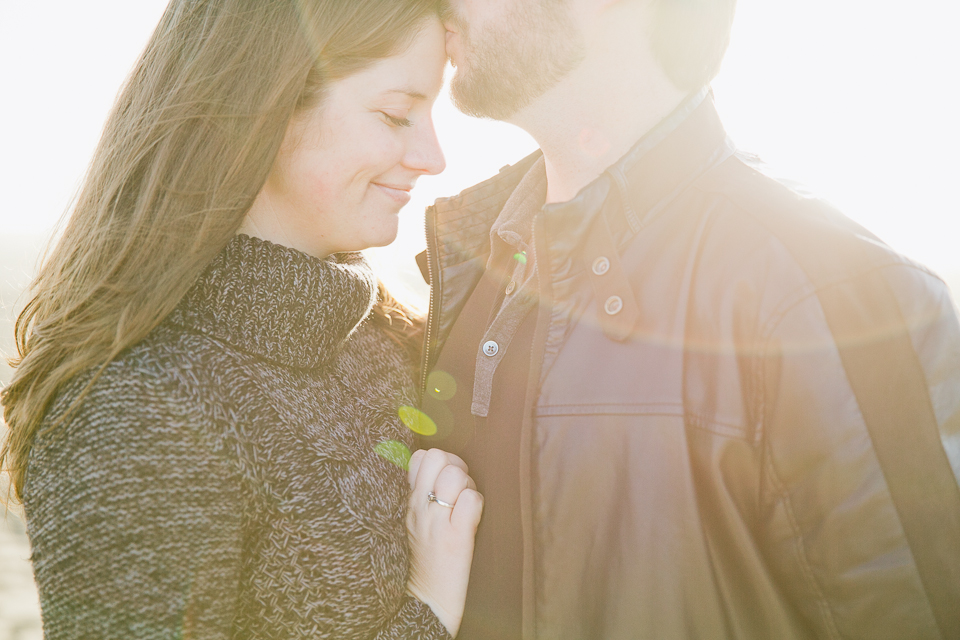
(807, 231)
(780, 205)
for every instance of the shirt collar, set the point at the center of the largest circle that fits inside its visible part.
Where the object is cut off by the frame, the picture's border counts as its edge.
(665, 159)
(515, 221)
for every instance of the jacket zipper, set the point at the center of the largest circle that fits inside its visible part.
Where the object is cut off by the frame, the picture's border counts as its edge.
(432, 311)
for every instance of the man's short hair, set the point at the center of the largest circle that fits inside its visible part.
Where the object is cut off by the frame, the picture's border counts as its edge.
(690, 38)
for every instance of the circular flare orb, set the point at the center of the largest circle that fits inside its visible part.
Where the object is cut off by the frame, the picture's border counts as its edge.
(395, 453)
(441, 385)
(417, 421)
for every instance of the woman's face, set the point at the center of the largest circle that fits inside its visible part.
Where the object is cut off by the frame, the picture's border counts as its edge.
(347, 166)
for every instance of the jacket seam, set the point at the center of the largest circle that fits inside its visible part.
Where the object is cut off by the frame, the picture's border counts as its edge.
(727, 430)
(674, 410)
(460, 229)
(791, 300)
(462, 208)
(803, 562)
(699, 420)
(499, 177)
(457, 258)
(715, 158)
(621, 409)
(770, 328)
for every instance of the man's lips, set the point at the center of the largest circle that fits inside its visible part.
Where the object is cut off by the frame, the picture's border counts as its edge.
(398, 192)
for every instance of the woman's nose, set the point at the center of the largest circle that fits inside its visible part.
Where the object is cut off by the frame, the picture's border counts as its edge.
(425, 154)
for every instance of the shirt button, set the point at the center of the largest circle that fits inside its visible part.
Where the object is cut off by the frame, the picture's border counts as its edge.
(511, 287)
(613, 305)
(601, 265)
(490, 348)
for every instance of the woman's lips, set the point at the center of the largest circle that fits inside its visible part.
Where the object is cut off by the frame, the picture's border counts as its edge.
(398, 193)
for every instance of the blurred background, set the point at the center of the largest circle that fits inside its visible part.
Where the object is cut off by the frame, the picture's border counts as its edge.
(855, 98)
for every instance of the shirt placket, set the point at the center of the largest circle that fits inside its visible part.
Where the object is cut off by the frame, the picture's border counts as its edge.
(516, 302)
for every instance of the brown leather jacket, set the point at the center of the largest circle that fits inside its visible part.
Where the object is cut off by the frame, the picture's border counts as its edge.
(694, 463)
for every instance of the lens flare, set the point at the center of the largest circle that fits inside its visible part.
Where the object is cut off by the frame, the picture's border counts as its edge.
(521, 257)
(441, 385)
(395, 453)
(417, 421)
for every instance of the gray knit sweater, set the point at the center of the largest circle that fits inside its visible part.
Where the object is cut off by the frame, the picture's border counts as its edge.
(220, 480)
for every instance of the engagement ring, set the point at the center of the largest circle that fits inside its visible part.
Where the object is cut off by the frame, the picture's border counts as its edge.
(432, 497)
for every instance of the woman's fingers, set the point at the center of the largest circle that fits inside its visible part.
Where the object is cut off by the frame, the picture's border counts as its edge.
(466, 515)
(441, 535)
(425, 467)
(444, 475)
(431, 464)
(450, 482)
(414, 466)
(456, 461)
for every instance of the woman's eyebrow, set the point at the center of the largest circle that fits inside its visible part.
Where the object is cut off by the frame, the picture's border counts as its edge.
(416, 95)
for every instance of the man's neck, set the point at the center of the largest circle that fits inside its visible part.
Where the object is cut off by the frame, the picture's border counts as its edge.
(595, 115)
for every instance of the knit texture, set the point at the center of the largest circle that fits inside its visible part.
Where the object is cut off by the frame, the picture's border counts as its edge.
(220, 478)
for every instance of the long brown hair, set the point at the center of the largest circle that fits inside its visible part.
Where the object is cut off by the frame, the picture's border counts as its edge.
(185, 151)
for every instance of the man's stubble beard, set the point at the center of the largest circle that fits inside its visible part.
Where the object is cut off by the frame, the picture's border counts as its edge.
(506, 68)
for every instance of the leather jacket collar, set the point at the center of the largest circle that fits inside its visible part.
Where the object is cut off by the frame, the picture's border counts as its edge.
(657, 168)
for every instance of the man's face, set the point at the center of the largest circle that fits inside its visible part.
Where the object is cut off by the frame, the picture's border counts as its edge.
(509, 52)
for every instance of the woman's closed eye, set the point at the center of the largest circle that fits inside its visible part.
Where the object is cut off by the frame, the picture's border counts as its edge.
(395, 121)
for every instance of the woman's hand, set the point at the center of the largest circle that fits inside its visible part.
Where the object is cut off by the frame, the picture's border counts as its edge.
(441, 537)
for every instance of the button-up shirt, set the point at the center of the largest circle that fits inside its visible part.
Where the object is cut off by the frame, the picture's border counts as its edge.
(511, 234)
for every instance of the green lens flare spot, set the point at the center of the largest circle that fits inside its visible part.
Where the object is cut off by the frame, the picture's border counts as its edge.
(395, 453)
(521, 257)
(441, 385)
(417, 421)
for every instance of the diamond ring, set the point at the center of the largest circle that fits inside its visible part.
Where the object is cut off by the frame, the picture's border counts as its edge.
(432, 497)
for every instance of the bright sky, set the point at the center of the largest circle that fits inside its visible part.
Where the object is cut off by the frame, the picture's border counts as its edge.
(855, 98)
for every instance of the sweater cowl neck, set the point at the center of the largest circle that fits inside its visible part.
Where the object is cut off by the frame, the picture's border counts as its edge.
(278, 303)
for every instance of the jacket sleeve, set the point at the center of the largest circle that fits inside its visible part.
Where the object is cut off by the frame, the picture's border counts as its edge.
(133, 517)
(833, 534)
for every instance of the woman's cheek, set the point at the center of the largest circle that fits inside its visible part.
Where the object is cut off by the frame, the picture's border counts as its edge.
(324, 182)
(384, 151)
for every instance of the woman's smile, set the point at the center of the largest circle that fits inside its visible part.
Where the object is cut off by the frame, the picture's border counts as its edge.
(398, 193)
(373, 132)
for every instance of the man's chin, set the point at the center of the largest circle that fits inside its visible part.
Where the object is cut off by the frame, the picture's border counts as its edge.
(475, 101)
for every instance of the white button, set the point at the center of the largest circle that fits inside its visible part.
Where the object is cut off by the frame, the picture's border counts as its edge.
(511, 287)
(601, 265)
(490, 348)
(613, 306)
